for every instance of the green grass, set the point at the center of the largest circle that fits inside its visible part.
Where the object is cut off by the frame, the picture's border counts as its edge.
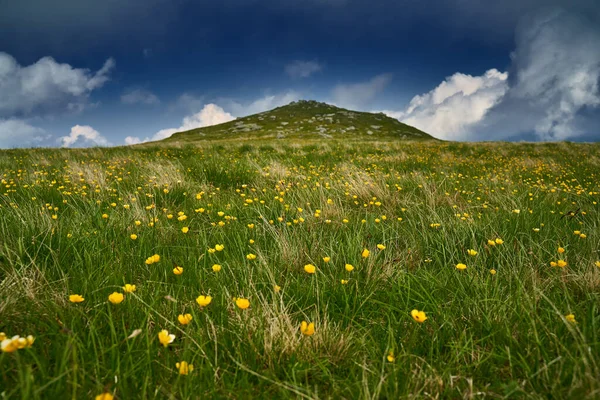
(492, 336)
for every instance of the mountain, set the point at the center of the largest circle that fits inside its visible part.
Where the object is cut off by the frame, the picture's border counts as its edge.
(306, 119)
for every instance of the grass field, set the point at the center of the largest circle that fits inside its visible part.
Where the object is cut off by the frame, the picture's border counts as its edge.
(242, 221)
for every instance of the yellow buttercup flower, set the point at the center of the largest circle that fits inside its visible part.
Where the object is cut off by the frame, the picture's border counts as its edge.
(390, 357)
(418, 316)
(365, 253)
(471, 252)
(310, 269)
(105, 396)
(185, 229)
(216, 267)
(491, 243)
(461, 266)
(251, 256)
(76, 298)
(178, 270)
(349, 267)
(307, 329)
(326, 259)
(381, 247)
(203, 301)
(561, 263)
(184, 368)
(129, 288)
(153, 259)
(570, 318)
(561, 250)
(597, 263)
(493, 271)
(344, 281)
(219, 247)
(133, 236)
(242, 303)
(277, 288)
(116, 297)
(499, 241)
(184, 319)
(165, 338)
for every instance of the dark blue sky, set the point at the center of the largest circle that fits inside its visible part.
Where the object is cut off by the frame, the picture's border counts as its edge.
(482, 70)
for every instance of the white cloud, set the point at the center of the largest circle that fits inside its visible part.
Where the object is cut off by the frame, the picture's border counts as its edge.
(46, 85)
(557, 71)
(18, 133)
(130, 140)
(83, 136)
(139, 96)
(302, 69)
(211, 114)
(358, 95)
(552, 90)
(449, 110)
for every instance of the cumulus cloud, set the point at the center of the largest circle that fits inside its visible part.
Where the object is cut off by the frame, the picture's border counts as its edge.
(302, 69)
(139, 96)
(358, 95)
(211, 114)
(18, 133)
(551, 89)
(454, 106)
(46, 85)
(83, 136)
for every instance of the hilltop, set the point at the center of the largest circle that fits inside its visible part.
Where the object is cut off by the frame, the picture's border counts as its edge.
(306, 119)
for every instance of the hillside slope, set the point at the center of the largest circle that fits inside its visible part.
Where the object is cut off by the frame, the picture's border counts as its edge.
(306, 119)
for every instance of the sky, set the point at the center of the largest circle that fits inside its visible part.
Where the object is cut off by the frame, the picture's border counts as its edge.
(77, 73)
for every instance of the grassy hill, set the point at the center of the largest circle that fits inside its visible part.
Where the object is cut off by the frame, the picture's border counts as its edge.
(306, 119)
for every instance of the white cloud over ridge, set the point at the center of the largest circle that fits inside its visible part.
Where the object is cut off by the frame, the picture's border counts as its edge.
(211, 114)
(46, 85)
(449, 110)
(302, 69)
(551, 89)
(83, 136)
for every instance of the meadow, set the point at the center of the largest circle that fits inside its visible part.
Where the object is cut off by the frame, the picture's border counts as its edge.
(281, 269)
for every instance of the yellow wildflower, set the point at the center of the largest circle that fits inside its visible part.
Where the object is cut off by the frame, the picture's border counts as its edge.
(216, 267)
(184, 368)
(471, 252)
(310, 269)
(381, 247)
(178, 270)
(251, 256)
(116, 297)
(129, 288)
(418, 316)
(184, 319)
(76, 298)
(165, 337)
(461, 266)
(365, 253)
(570, 318)
(349, 267)
(307, 329)
(203, 301)
(242, 303)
